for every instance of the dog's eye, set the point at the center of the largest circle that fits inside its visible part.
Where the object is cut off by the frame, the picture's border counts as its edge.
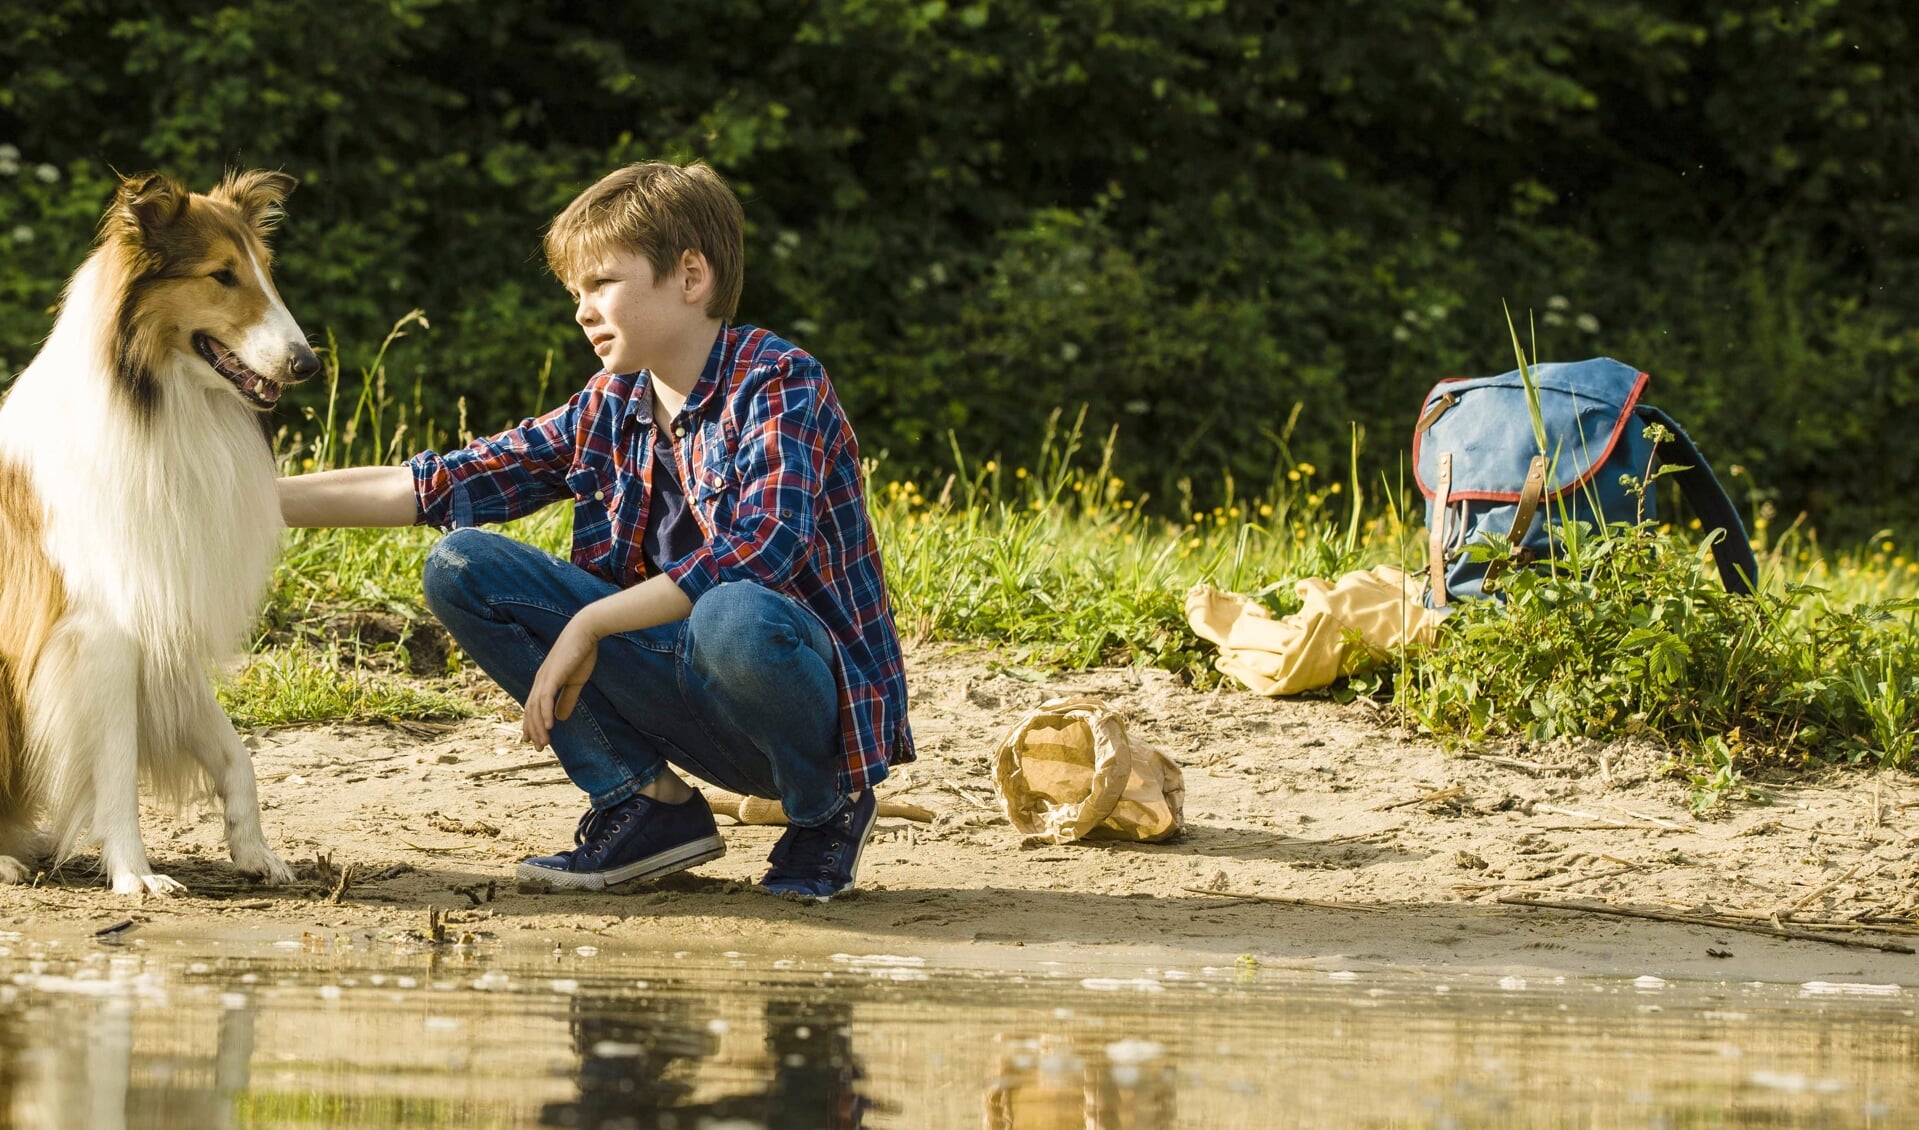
(225, 277)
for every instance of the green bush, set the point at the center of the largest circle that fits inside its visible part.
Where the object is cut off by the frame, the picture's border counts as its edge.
(1190, 215)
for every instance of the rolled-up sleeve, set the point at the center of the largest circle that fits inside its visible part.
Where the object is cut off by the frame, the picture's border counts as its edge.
(781, 466)
(500, 477)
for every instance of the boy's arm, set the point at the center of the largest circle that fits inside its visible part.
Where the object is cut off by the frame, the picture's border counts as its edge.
(356, 496)
(567, 667)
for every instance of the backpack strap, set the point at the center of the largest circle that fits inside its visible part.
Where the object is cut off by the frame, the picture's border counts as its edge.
(1738, 568)
(1530, 495)
(1436, 542)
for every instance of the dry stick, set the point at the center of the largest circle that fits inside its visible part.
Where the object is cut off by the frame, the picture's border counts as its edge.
(1288, 901)
(1814, 896)
(1533, 767)
(1450, 792)
(508, 770)
(1667, 824)
(1698, 920)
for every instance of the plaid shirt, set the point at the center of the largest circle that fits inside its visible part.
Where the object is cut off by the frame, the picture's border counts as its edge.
(772, 472)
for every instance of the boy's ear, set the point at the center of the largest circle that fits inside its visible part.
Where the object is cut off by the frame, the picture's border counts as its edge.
(696, 279)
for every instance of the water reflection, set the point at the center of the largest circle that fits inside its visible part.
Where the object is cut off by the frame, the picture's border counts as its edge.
(640, 1061)
(1053, 1083)
(378, 1038)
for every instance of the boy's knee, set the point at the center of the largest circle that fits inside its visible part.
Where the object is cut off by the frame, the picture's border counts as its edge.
(737, 624)
(444, 580)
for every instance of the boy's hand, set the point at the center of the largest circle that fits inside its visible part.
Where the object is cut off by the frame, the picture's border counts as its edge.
(561, 678)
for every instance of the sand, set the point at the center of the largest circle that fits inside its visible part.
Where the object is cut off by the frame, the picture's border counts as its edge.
(1298, 798)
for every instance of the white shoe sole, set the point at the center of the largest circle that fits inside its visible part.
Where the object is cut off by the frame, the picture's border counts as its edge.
(533, 880)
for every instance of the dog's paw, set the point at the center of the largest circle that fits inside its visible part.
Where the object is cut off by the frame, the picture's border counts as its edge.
(159, 886)
(14, 871)
(259, 863)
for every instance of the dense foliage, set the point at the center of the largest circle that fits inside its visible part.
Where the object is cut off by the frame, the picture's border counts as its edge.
(1190, 214)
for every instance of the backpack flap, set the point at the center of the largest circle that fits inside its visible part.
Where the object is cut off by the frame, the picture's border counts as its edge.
(1477, 461)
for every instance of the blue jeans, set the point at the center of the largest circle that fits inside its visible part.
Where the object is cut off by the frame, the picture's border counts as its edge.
(741, 693)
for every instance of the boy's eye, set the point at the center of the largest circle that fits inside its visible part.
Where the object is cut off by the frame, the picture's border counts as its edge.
(224, 277)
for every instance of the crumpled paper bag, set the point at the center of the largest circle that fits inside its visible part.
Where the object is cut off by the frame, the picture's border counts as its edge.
(1068, 771)
(1364, 615)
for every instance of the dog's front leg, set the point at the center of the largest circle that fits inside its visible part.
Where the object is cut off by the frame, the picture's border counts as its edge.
(217, 747)
(88, 695)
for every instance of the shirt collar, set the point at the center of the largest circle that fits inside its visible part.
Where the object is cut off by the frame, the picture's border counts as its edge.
(639, 397)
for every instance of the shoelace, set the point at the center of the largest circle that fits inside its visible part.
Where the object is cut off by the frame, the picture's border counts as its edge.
(594, 830)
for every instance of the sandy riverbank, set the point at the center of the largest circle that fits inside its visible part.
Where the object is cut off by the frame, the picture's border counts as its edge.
(1284, 798)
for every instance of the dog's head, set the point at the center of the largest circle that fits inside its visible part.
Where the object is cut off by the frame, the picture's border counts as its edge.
(198, 288)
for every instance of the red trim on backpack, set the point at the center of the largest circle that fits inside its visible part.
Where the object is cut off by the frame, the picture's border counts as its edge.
(1619, 429)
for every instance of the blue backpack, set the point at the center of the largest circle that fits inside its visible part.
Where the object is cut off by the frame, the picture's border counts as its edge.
(1476, 459)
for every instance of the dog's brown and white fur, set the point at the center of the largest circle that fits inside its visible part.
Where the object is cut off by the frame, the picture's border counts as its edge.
(139, 525)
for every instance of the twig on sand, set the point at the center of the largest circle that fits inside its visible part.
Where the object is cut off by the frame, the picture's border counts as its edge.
(340, 885)
(1450, 792)
(970, 798)
(509, 770)
(1369, 908)
(1532, 767)
(1803, 903)
(1711, 923)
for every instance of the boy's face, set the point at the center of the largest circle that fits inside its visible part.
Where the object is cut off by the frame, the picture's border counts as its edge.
(632, 320)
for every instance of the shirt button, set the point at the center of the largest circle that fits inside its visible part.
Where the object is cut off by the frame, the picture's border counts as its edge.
(679, 430)
(599, 496)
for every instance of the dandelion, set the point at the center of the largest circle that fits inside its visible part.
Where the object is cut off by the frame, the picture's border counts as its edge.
(1312, 500)
(1199, 516)
(1293, 475)
(1126, 505)
(1192, 543)
(1019, 472)
(1308, 469)
(1885, 547)
(992, 465)
(1266, 510)
(47, 174)
(1233, 513)
(1693, 525)
(1333, 489)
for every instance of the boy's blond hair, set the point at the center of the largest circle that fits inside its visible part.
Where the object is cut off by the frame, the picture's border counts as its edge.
(659, 210)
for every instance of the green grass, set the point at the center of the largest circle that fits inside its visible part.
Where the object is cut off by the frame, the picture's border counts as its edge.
(1058, 564)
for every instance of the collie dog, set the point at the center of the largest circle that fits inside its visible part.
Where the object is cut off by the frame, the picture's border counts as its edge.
(139, 526)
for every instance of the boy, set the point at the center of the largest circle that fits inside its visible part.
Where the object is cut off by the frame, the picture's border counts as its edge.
(724, 610)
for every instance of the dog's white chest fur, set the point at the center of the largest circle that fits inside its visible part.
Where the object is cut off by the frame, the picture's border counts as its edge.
(167, 525)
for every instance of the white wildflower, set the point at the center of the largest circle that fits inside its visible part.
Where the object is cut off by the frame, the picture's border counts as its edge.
(1587, 323)
(1436, 312)
(47, 173)
(805, 326)
(1558, 302)
(1068, 351)
(23, 234)
(9, 153)
(1401, 333)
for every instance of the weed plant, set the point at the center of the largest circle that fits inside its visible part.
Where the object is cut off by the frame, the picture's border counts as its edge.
(1059, 564)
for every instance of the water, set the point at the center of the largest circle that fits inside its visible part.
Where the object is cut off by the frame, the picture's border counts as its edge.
(330, 1033)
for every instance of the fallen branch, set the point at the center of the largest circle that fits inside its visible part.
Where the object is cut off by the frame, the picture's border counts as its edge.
(1532, 767)
(509, 770)
(1369, 908)
(760, 810)
(1450, 792)
(1701, 920)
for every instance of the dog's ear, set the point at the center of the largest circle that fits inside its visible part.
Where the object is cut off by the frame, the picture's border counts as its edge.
(148, 203)
(257, 194)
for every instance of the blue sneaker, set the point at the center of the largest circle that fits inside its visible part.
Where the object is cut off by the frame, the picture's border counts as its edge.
(821, 862)
(638, 838)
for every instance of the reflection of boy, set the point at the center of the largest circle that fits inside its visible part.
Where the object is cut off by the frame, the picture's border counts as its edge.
(724, 610)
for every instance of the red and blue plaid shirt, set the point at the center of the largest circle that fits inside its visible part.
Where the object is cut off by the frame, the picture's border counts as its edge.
(772, 471)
